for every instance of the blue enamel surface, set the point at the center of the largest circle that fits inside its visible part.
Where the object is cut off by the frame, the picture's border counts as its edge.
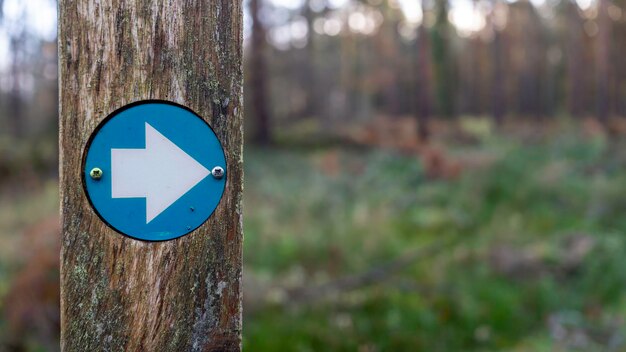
(126, 129)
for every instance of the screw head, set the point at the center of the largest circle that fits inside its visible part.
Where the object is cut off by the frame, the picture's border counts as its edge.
(217, 172)
(96, 173)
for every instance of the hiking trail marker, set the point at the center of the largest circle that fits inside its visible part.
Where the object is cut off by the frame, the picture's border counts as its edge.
(151, 174)
(153, 164)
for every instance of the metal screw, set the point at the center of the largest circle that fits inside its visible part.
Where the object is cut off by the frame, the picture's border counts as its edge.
(217, 172)
(95, 173)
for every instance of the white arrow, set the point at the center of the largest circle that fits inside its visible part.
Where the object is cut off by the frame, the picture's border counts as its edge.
(161, 173)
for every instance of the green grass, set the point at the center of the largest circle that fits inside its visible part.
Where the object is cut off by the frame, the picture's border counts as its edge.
(306, 226)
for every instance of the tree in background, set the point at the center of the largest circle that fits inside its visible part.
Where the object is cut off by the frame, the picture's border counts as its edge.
(526, 64)
(575, 64)
(18, 36)
(603, 61)
(258, 77)
(388, 60)
(423, 81)
(443, 68)
(618, 51)
(28, 100)
(353, 63)
(497, 74)
(15, 113)
(313, 98)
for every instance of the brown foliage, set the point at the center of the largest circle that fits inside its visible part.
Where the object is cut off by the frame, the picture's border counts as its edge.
(32, 303)
(391, 133)
(593, 128)
(399, 134)
(438, 165)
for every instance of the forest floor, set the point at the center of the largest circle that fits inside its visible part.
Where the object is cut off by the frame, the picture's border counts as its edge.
(367, 249)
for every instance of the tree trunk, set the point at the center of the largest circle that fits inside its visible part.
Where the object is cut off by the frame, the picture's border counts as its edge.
(120, 294)
(15, 111)
(575, 66)
(258, 77)
(603, 47)
(445, 91)
(497, 77)
(312, 107)
(424, 84)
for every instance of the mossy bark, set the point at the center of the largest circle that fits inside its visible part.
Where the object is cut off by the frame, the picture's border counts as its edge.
(120, 294)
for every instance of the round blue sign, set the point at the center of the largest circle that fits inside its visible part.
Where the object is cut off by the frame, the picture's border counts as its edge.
(154, 171)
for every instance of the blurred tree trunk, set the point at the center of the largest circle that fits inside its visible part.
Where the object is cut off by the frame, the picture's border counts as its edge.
(309, 63)
(575, 41)
(470, 74)
(258, 77)
(349, 63)
(15, 111)
(603, 68)
(470, 78)
(313, 99)
(443, 68)
(618, 31)
(531, 56)
(389, 64)
(424, 82)
(497, 76)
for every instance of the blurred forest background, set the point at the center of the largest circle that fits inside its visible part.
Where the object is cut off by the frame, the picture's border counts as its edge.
(421, 175)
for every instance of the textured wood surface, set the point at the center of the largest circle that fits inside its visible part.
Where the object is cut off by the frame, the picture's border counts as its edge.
(120, 294)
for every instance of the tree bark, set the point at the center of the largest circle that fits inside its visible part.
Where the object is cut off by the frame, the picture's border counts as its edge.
(120, 294)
